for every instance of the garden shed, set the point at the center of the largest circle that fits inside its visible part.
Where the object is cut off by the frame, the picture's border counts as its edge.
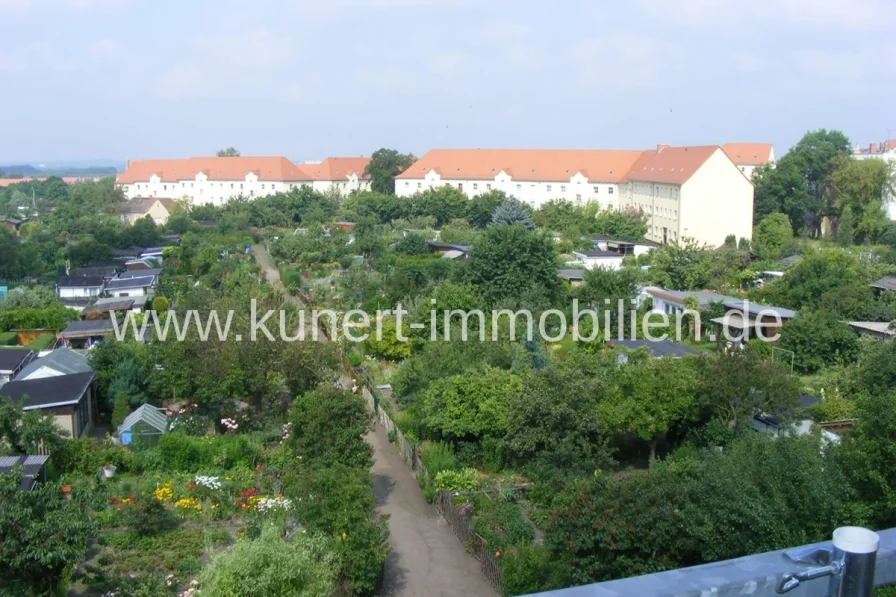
(144, 425)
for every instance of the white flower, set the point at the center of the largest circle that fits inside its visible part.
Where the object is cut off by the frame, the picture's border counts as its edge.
(208, 482)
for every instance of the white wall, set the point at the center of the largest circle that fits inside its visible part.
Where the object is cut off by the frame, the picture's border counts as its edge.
(42, 373)
(535, 193)
(129, 293)
(78, 292)
(611, 263)
(715, 202)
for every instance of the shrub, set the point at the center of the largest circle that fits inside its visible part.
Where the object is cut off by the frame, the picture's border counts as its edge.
(41, 342)
(526, 570)
(121, 410)
(9, 339)
(271, 567)
(502, 524)
(148, 516)
(190, 454)
(439, 457)
(466, 479)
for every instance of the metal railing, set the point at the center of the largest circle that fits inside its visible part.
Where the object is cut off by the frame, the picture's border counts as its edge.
(842, 568)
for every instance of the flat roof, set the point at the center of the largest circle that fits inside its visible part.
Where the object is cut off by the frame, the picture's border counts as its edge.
(97, 327)
(12, 358)
(134, 282)
(658, 348)
(752, 308)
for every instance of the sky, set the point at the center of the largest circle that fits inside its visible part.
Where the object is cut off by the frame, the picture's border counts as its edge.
(133, 79)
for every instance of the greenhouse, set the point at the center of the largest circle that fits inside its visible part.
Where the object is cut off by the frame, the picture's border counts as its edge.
(143, 426)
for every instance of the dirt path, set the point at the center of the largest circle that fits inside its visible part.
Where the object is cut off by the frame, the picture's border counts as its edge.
(426, 560)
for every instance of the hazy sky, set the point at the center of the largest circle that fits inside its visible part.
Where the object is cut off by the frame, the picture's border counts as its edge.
(123, 79)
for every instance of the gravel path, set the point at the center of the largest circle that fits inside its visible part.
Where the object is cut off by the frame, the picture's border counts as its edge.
(426, 559)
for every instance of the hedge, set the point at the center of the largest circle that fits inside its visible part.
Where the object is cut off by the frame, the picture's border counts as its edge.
(41, 342)
(9, 339)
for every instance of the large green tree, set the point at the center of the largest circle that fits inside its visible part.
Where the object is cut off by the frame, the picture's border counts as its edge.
(385, 165)
(819, 339)
(328, 428)
(228, 152)
(816, 155)
(861, 186)
(509, 262)
(782, 188)
(772, 236)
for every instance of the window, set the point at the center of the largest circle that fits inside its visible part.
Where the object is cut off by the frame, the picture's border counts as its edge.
(578, 196)
(419, 185)
(231, 185)
(519, 187)
(488, 186)
(475, 186)
(191, 185)
(610, 190)
(164, 187)
(563, 188)
(549, 188)
(596, 190)
(406, 184)
(460, 186)
(241, 186)
(251, 193)
(262, 186)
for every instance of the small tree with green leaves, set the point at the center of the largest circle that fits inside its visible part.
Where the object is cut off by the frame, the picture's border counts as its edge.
(121, 410)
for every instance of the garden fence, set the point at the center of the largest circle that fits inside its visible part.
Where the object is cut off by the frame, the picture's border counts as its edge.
(462, 526)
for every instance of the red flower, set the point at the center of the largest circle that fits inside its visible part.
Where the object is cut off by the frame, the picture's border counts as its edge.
(190, 486)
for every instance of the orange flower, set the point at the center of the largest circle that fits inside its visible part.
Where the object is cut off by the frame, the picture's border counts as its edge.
(497, 554)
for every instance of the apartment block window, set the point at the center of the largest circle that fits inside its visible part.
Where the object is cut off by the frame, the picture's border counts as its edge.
(519, 187)
(164, 187)
(262, 186)
(251, 193)
(488, 186)
(578, 197)
(407, 184)
(610, 190)
(460, 186)
(549, 188)
(241, 186)
(563, 188)
(596, 190)
(475, 186)
(419, 185)
(231, 185)
(191, 185)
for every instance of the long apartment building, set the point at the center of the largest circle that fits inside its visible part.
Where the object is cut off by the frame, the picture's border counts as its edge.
(216, 180)
(749, 156)
(686, 192)
(886, 151)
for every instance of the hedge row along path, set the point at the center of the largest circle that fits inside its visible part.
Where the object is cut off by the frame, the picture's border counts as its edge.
(426, 559)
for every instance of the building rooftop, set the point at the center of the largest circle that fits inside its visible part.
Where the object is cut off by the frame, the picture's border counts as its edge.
(99, 271)
(885, 283)
(597, 253)
(755, 308)
(704, 297)
(336, 169)
(48, 392)
(572, 274)
(748, 154)
(31, 466)
(215, 168)
(142, 205)
(12, 358)
(878, 327)
(63, 360)
(133, 282)
(139, 273)
(81, 282)
(99, 327)
(658, 348)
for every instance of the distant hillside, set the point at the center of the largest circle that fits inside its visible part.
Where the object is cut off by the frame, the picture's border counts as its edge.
(20, 170)
(17, 171)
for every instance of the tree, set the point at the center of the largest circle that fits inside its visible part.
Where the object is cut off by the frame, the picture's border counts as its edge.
(819, 339)
(272, 566)
(772, 236)
(782, 188)
(229, 152)
(650, 399)
(328, 427)
(482, 207)
(508, 262)
(681, 266)
(389, 346)
(26, 432)
(9, 253)
(814, 275)
(861, 186)
(130, 380)
(160, 304)
(816, 156)
(471, 407)
(412, 244)
(512, 212)
(444, 203)
(625, 224)
(121, 410)
(554, 430)
(736, 384)
(43, 535)
(385, 165)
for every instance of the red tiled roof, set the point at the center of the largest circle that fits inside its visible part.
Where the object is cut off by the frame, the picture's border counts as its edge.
(336, 169)
(226, 168)
(748, 154)
(558, 165)
(670, 165)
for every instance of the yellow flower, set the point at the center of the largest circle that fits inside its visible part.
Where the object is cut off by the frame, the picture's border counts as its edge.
(343, 534)
(227, 478)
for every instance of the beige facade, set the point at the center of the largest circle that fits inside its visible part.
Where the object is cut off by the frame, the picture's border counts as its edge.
(714, 202)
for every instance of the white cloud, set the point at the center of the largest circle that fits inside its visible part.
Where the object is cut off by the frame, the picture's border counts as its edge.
(807, 14)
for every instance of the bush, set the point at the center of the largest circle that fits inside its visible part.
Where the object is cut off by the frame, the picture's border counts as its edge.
(121, 410)
(190, 454)
(9, 339)
(438, 457)
(148, 516)
(526, 570)
(86, 457)
(271, 567)
(463, 480)
(41, 342)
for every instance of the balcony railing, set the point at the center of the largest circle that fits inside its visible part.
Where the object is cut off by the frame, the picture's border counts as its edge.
(818, 570)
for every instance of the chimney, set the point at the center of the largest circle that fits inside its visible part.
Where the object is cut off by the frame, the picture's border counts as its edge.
(660, 147)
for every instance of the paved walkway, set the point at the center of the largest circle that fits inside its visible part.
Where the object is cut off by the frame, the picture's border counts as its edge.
(426, 560)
